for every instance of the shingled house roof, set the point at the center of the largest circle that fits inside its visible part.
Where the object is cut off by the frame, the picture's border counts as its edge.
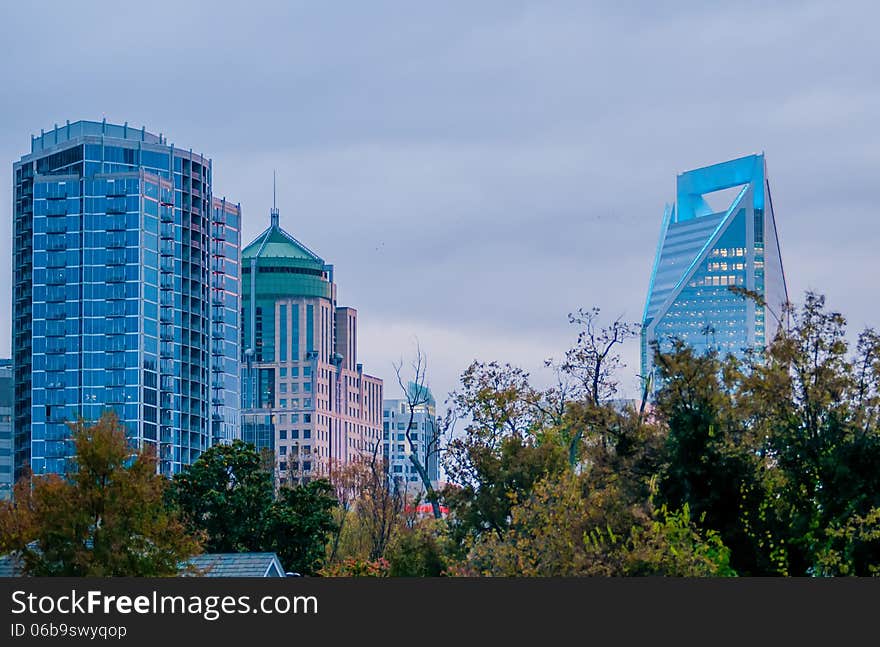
(238, 565)
(207, 565)
(9, 566)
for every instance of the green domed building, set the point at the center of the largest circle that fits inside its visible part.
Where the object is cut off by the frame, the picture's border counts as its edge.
(304, 395)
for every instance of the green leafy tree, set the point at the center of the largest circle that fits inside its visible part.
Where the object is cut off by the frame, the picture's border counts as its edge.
(814, 404)
(299, 524)
(586, 378)
(502, 452)
(499, 476)
(106, 517)
(228, 495)
(673, 545)
(712, 463)
(852, 548)
(568, 527)
(780, 450)
(420, 550)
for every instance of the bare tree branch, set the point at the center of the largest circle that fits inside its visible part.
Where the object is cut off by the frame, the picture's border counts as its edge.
(417, 395)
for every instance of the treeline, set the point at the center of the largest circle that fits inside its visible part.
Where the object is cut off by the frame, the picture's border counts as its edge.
(767, 465)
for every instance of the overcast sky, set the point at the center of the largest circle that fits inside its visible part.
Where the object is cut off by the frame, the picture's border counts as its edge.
(477, 170)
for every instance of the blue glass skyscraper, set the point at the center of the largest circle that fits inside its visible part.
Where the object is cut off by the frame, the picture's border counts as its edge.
(126, 295)
(703, 251)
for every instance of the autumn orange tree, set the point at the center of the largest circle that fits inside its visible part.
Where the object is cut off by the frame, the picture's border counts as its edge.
(370, 510)
(105, 517)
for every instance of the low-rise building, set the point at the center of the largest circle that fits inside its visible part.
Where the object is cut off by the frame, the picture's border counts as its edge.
(421, 421)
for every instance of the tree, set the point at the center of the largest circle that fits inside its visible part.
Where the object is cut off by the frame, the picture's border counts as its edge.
(568, 527)
(370, 511)
(814, 404)
(499, 404)
(418, 396)
(507, 446)
(420, 550)
(779, 451)
(300, 523)
(851, 548)
(106, 517)
(711, 461)
(351, 567)
(499, 477)
(228, 494)
(588, 375)
(595, 358)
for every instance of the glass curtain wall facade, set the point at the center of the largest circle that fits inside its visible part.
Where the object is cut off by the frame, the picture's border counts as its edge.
(705, 250)
(120, 255)
(225, 306)
(6, 453)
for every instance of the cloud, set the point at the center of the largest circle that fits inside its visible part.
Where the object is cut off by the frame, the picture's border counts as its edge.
(475, 171)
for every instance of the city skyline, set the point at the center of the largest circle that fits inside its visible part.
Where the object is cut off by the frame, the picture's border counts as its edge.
(451, 154)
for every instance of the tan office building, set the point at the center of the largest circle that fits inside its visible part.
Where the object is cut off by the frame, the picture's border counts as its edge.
(305, 396)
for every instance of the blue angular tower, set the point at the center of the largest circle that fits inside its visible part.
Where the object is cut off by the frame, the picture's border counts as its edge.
(703, 251)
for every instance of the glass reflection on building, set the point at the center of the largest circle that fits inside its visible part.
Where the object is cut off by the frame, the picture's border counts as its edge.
(720, 233)
(126, 295)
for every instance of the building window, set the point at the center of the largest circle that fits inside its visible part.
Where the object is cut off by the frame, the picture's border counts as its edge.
(310, 328)
(282, 435)
(282, 316)
(294, 338)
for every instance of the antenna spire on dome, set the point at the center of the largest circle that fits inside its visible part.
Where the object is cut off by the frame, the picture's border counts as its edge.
(273, 214)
